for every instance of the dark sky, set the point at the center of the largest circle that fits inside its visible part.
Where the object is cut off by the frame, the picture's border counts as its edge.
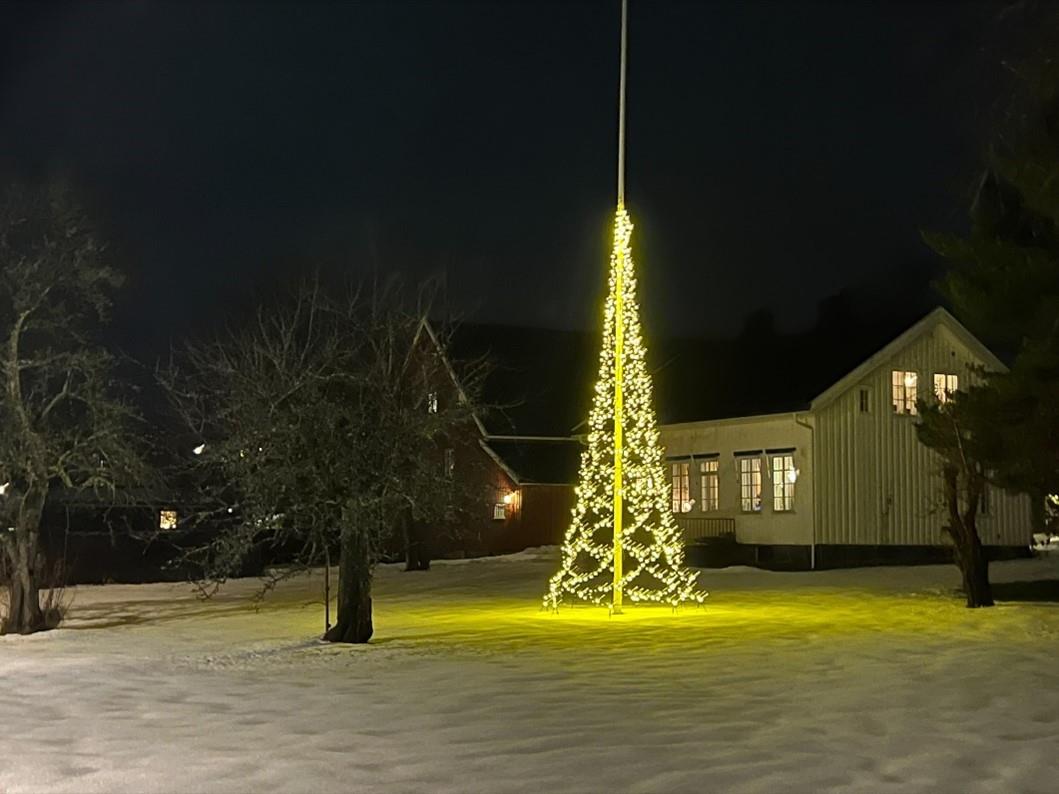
(777, 151)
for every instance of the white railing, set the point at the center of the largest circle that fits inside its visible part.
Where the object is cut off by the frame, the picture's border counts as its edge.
(700, 527)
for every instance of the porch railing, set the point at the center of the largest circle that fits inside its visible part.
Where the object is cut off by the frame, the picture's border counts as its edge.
(701, 527)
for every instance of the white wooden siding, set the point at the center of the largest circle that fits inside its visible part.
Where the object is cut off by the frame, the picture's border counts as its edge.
(876, 484)
(725, 437)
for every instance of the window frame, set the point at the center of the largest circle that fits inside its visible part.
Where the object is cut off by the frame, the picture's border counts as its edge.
(903, 395)
(944, 389)
(783, 487)
(748, 482)
(709, 485)
(680, 469)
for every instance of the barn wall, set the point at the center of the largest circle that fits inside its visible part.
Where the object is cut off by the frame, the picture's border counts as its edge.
(876, 484)
(538, 516)
(726, 437)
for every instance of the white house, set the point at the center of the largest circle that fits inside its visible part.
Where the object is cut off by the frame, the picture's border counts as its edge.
(845, 481)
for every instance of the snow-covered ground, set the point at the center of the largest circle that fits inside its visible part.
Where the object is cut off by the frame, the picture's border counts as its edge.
(868, 680)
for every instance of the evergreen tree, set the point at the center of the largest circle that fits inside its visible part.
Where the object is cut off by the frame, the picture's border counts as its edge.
(1003, 282)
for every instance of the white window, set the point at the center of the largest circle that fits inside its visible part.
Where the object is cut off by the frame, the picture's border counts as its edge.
(450, 463)
(167, 519)
(681, 487)
(750, 484)
(499, 511)
(784, 476)
(432, 402)
(905, 391)
(945, 385)
(709, 486)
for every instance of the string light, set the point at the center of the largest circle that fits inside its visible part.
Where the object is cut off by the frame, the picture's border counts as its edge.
(652, 565)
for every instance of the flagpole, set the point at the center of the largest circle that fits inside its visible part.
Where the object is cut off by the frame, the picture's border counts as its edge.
(619, 329)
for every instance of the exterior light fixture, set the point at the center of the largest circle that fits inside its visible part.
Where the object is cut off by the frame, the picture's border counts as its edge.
(199, 449)
(4, 487)
(509, 497)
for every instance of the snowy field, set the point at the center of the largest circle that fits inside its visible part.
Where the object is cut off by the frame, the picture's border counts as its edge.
(868, 680)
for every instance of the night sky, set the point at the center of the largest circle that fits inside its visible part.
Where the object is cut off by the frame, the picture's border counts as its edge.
(777, 151)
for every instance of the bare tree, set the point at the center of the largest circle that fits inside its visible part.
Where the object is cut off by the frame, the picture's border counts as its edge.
(61, 422)
(316, 431)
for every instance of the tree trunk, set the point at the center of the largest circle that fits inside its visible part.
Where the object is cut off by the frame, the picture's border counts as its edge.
(25, 615)
(417, 549)
(967, 547)
(354, 622)
(975, 569)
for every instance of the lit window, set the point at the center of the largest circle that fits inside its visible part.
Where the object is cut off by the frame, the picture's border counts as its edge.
(710, 485)
(499, 511)
(750, 484)
(681, 487)
(450, 463)
(432, 402)
(945, 385)
(865, 405)
(167, 519)
(905, 391)
(784, 476)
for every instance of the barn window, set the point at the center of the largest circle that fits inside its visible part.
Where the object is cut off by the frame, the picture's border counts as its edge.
(710, 485)
(167, 519)
(450, 463)
(784, 476)
(865, 405)
(681, 487)
(905, 391)
(945, 385)
(432, 402)
(750, 484)
(499, 511)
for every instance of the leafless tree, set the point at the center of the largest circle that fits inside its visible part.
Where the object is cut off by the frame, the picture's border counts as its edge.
(62, 423)
(316, 430)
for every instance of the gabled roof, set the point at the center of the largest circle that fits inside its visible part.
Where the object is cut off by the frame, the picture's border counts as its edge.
(938, 317)
(540, 387)
(537, 462)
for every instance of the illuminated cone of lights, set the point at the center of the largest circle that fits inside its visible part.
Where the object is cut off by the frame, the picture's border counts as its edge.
(623, 541)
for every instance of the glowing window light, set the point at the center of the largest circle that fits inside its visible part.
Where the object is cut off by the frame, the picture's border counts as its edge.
(710, 485)
(750, 484)
(682, 487)
(784, 476)
(945, 385)
(167, 519)
(905, 391)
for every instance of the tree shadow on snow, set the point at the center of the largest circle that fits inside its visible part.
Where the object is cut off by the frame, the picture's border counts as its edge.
(1040, 590)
